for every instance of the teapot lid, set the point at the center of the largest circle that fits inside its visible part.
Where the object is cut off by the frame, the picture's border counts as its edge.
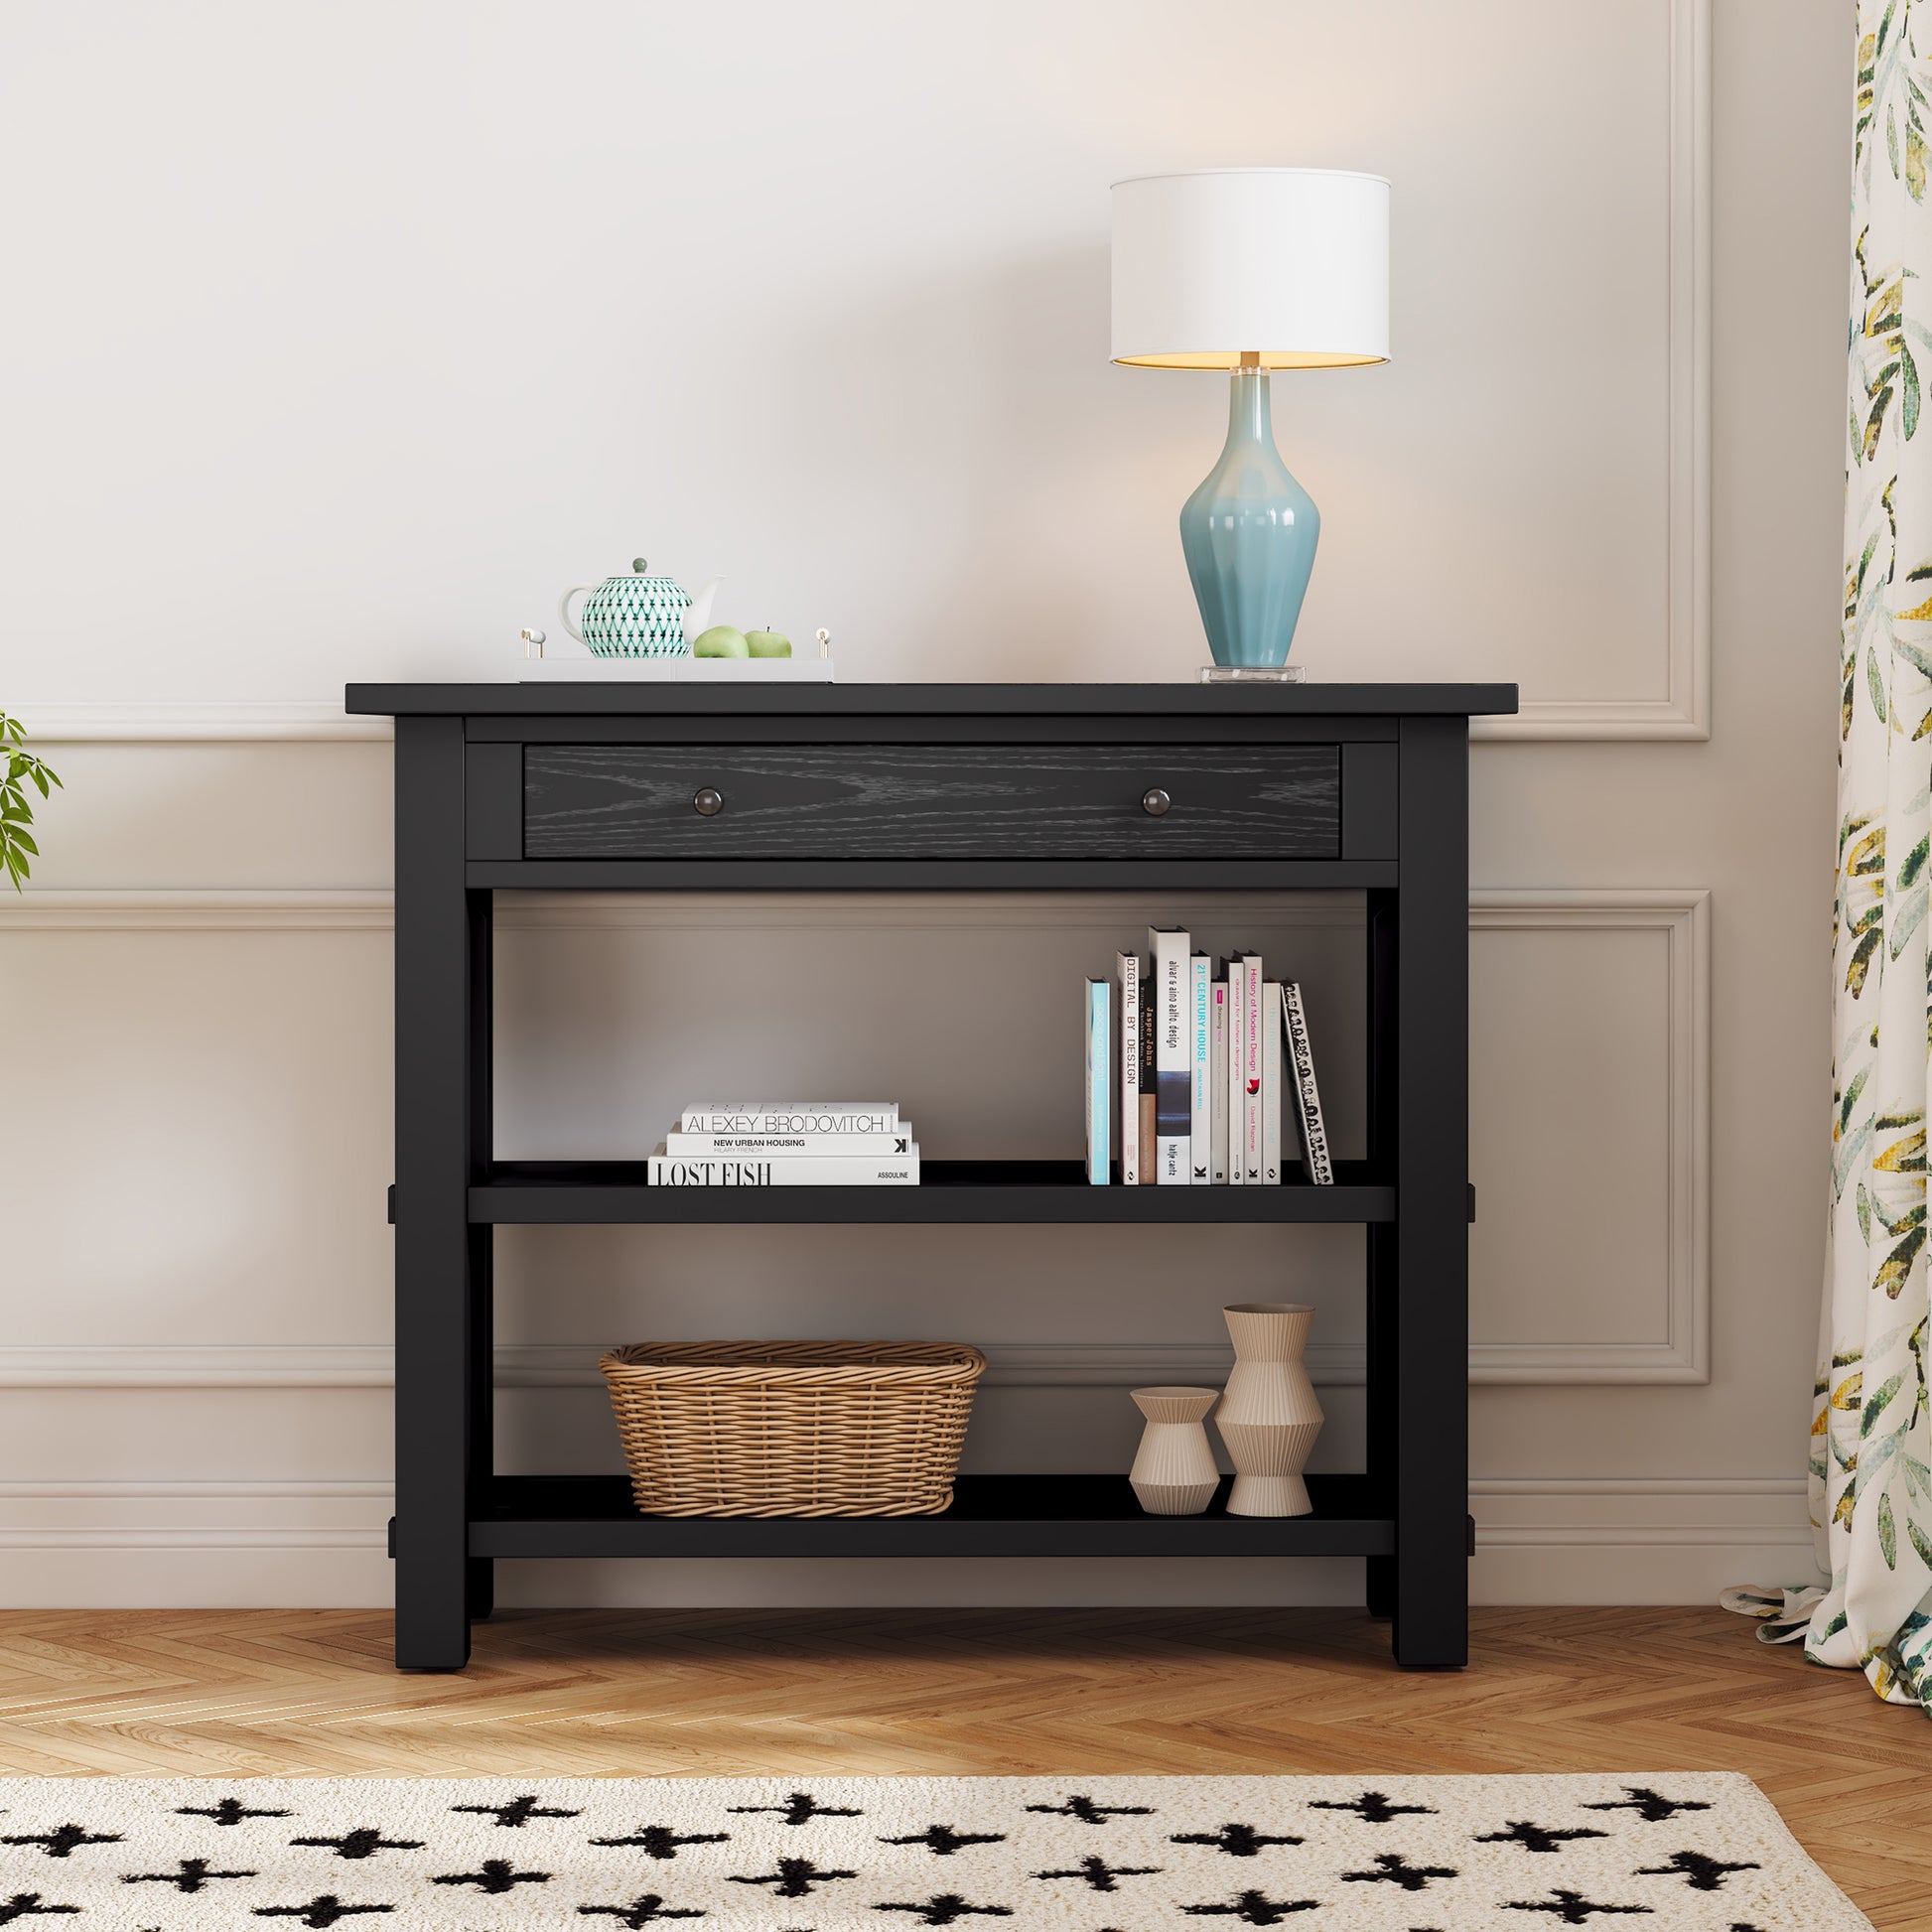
(638, 567)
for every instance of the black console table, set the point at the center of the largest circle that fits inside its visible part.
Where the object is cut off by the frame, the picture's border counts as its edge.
(1155, 788)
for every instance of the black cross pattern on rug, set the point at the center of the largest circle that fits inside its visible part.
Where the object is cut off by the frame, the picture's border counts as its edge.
(1100, 1876)
(496, 1875)
(62, 1839)
(1254, 1908)
(518, 1811)
(1649, 1806)
(27, 1905)
(947, 1908)
(640, 1912)
(1395, 1870)
(1571, 1907)
(363, 1843)
(192, 1877)
(1537, 1837)
(1237, 1840)
(795, 1879)
(1079, 1805)
(660, 1841)
(801, 1808)
(230, 1811)
(1372, 1808)
(320, 1913)
(942, 1840)
(1703, 1874)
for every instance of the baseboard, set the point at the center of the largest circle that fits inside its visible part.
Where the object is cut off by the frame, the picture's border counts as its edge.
(320, 1545)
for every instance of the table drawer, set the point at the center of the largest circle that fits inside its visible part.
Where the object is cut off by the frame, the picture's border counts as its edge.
(931, 801)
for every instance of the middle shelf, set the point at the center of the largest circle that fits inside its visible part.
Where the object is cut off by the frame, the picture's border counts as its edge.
(558, 1192)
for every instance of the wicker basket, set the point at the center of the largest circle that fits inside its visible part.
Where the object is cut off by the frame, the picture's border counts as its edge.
(792, 1427)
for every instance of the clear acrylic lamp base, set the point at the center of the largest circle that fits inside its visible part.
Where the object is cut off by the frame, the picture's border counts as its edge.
(1253, 674)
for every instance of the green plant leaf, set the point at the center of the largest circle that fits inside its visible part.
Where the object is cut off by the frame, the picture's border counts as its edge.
(1875, 682)
(1877, 1406)
(1920, 1542)
(1888, 1532)
(1851, 1098)
(1862, 957)
(1909, 373)
(1892, 1276)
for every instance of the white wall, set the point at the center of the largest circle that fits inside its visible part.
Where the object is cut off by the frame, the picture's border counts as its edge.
(338, 344)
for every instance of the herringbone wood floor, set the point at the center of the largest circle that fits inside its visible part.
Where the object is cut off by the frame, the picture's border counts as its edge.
(626, 1693)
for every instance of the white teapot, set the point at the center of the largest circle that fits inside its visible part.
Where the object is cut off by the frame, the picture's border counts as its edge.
(639, 615)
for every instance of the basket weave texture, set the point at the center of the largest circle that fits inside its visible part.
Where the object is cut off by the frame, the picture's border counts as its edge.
(792, 1427)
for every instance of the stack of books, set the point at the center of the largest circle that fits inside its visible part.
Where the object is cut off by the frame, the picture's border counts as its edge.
(788, 1144)
(1200, 1071)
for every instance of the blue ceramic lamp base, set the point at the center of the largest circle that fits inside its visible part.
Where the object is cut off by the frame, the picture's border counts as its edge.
(1249, 534)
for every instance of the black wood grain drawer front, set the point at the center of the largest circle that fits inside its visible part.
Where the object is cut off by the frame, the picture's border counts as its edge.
(931, 801)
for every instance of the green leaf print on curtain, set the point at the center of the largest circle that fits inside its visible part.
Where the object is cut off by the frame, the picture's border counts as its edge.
(1871, 1429)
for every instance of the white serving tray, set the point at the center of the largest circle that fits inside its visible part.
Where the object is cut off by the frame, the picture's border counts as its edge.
(583, 668)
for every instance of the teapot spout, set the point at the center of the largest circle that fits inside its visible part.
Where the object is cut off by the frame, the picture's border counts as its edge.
(697, 619)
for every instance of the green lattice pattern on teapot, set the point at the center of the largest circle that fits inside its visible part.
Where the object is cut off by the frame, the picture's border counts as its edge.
(638, 616)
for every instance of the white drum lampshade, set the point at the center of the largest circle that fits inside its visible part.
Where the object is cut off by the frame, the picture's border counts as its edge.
(1288, 264)
(1251, 269)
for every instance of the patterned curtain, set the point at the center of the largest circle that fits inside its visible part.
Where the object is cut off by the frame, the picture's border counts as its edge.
(1872, 1430)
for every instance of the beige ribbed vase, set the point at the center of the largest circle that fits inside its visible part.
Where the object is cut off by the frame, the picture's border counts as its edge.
(1269, 1417)
(1173, 1472)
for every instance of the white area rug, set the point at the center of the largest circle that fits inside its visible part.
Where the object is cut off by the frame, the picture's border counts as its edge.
(1679, 1851)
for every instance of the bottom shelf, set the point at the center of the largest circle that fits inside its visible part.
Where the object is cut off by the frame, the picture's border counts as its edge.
(991, 1516)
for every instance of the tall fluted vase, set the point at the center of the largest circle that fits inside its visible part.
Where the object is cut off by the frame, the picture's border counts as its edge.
(1269, 1417)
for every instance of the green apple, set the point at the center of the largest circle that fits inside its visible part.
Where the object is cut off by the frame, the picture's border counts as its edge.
(768, 644)
(721, 640)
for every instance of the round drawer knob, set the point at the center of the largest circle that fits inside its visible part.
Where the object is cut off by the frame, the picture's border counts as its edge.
(1156, 802)
(710, 801)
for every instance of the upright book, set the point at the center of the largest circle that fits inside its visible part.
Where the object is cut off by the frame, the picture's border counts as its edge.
(1200, 1112)
(1238, 1081)
(1174, 1055)
(1218, 1092)
(1099, 1062)
(1270, 1084)
(1128, 968)
(1149, 1120)
(1251, 1031)
(1306, 1099)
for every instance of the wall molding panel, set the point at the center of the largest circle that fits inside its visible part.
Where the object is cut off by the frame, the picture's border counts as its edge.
(1683, 1354)
(1681, 711)
(1684, 711)
(1681, 915)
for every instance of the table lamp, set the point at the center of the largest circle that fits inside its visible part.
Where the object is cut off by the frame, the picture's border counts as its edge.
(1251, 269)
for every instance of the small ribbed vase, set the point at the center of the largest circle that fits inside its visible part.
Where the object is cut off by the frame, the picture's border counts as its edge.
(1269, 1417)
(1173, 1472)
(1249, 534)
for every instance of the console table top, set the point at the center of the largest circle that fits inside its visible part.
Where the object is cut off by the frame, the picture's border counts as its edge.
(605, 700)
